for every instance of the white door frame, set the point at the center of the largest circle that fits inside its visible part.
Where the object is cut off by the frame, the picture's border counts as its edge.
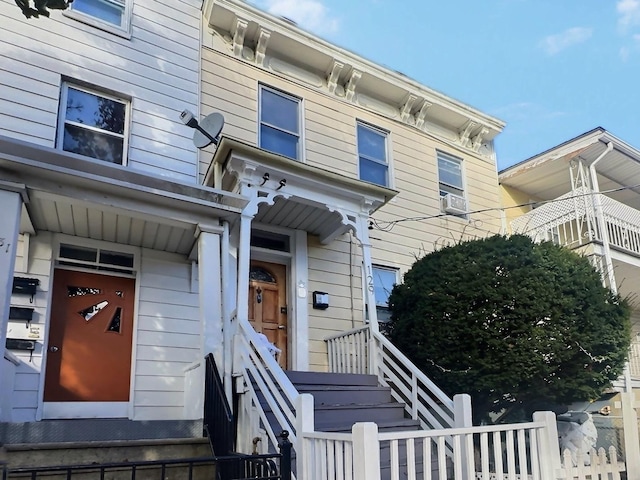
(297, 265)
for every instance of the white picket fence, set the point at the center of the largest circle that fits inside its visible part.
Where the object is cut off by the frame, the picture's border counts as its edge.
(601, 466)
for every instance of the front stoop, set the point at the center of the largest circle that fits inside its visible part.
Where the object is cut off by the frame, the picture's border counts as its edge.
(97, 430)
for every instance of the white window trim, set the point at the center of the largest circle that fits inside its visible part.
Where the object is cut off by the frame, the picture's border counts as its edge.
(387, 147)
(300, 101)
(62, 119)
(465, 194)
(123, 30)
(387, 268)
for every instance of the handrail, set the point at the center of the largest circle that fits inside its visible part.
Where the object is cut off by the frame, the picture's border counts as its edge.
(443, 397)
(218, 423)
(265, 379)
(352, 352)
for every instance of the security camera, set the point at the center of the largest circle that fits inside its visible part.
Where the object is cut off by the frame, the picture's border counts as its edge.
(188, 119)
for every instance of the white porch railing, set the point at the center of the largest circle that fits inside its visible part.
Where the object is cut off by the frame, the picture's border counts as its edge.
(499, 451)
(365, 351)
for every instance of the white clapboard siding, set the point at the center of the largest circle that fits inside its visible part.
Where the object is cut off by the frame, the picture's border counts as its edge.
(167, 337)
(25, 396)
(157, 68)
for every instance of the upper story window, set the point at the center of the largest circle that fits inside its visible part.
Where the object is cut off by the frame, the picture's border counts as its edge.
(280, 123)
(93, 124)
(114, 15)
(372, 155)
(384, 278)
(451, 184)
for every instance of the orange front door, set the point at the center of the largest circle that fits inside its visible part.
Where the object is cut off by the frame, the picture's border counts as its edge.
(268, 304)
(89, 349)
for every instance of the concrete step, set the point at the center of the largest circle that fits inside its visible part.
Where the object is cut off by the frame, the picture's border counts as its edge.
(97, 429)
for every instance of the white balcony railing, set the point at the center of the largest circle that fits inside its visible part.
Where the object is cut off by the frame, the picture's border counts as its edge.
(571, 220)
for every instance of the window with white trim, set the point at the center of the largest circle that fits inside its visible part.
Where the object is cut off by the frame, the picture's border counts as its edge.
(451, 184)
(384, 278)
(280, 123)
(112, 14)
(372, 154)
(93, 124)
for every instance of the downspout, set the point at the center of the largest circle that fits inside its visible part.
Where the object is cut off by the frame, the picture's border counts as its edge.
(597, 206)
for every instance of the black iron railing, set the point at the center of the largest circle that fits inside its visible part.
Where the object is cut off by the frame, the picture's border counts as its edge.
(218, 424)
(231, 467)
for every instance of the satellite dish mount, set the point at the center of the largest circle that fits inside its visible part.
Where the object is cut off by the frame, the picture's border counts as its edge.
(207, 131)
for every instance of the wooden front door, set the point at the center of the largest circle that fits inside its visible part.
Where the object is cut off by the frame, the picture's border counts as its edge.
(268, 304)
(89, 349)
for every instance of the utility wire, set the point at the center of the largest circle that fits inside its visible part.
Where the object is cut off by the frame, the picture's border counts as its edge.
(387, 226)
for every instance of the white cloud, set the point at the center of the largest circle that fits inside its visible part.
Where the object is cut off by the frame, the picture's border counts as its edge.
(554, 44)
(311, 15)
(629, 11)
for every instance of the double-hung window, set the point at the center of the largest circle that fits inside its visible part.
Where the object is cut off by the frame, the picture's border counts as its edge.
(451, 184)
(280, 123)
(384, 278)
(93, 124)
(372, 155)
(110, 14)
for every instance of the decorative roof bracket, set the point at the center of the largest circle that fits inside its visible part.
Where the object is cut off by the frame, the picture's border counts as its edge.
(332, 79)
(477, 140)
(261, 48)
(405, 111)
(350, 89)
(422, 114)
(238, 36)
(465, 134)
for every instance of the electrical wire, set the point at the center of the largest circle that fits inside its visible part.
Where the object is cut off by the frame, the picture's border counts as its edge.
(387, 226)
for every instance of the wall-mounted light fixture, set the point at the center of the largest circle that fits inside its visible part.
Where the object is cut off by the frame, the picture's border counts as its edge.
(320, 300)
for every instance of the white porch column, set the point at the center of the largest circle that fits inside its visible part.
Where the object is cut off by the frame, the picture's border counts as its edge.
(10, 206)
(244, 257)
(362, 234)
(210, 292)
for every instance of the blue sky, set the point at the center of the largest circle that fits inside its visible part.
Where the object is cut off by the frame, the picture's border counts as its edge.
(551, 69)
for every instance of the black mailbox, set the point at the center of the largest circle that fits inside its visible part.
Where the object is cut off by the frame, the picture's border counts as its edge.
(19, 344)
(21, 313)
(25, 286)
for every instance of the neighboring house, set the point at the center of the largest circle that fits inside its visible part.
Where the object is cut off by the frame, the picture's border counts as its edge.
(102, 207)
(584, 194)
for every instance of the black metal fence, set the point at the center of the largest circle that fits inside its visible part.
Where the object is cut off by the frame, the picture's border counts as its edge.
(230, 467)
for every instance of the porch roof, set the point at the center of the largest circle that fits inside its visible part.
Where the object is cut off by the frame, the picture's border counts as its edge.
(313, 199)
(79, 196)
(546, 176)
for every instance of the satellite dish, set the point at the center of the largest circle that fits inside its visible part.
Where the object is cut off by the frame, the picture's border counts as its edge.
(208, 130)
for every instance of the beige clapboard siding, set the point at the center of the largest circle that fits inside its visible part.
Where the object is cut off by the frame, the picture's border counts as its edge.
(329, 272)
(157, 68)
(24, 399)
(167, 338)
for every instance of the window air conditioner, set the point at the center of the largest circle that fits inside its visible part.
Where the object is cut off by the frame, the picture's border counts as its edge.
(454, 204)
